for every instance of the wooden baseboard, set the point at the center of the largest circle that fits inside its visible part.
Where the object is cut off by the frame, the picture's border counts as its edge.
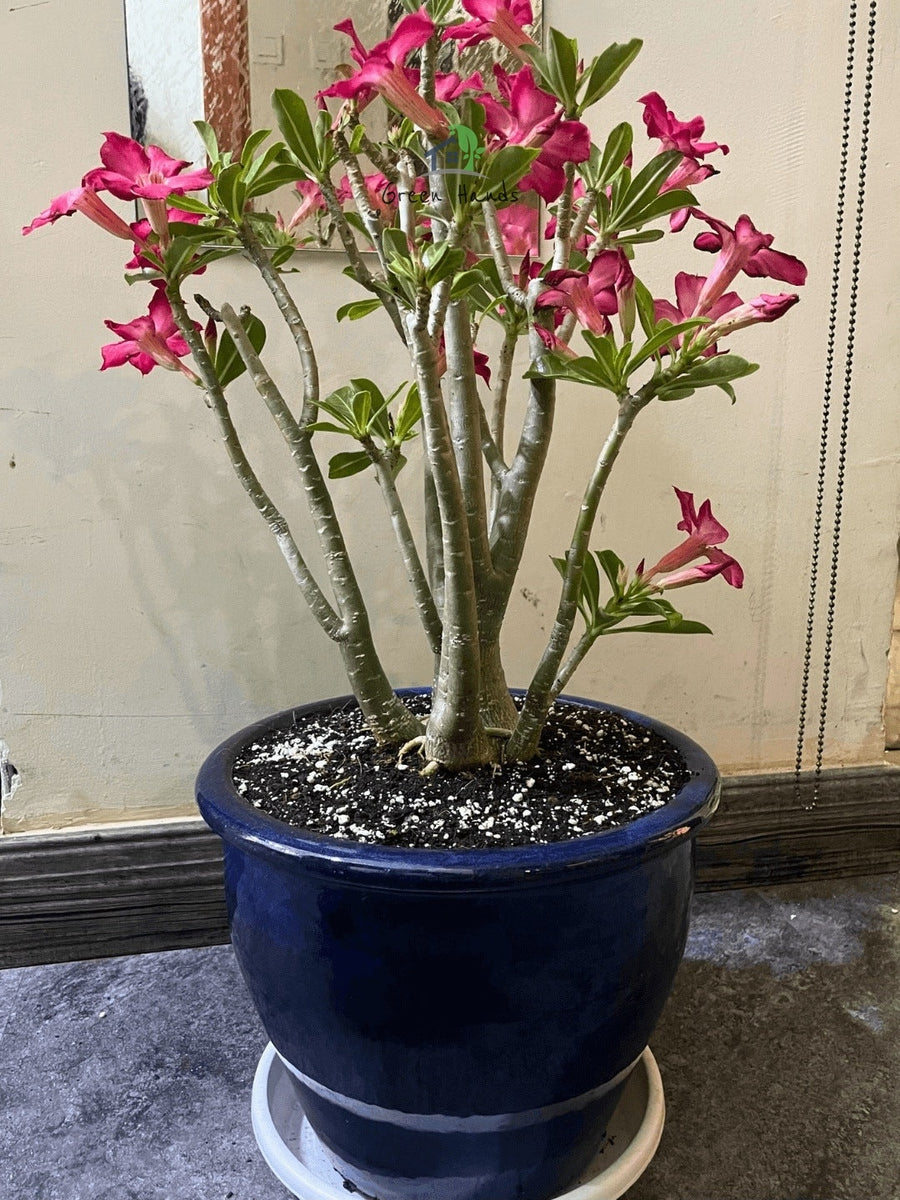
(67, 896)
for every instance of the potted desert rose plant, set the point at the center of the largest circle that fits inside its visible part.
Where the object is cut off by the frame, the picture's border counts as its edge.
(459, 908)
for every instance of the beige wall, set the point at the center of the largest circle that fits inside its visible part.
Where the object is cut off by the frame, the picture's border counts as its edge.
(145, 614)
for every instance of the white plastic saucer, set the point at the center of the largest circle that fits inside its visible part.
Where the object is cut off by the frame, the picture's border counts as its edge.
(300, 1161)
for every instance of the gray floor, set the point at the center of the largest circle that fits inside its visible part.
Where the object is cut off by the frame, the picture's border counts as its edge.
(129, 1078)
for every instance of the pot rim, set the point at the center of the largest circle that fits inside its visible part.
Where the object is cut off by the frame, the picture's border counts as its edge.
(238, 823)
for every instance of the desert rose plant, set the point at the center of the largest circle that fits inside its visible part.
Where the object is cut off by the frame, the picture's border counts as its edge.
(439, 224)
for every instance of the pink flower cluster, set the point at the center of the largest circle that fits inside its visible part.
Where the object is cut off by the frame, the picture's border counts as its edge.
(129, 172)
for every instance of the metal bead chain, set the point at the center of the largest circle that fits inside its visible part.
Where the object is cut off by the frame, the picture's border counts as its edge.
(847, 392)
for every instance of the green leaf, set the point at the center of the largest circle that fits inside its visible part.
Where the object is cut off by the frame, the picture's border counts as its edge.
(604, 351)
(228, 363)
(395, 245)
(617, 149)
(465, 282)
(276, 177)
(645, 235)
(179, 257)
(409, 416)
(357, 309)
(714, 371)
(613, 567)
(645, 307)
(441, 261)
(329, 427)
(189, 204)
(251, 145)
(282, 255)
(606, 70)
(662, 627)
(231, 191)
(210, 141)
(296, 128)
(664, 204)
(348, 462)
(562, 62)
(644, 187)
(675, 392)
(589, 592)
(506, 167)
(665, 332)
(576, 370)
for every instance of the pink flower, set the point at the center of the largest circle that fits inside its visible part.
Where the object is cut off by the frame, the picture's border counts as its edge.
(131, 172)
(311, 201)
(592, 296)
(148, 341)
(500, 19)
(84, 200)
(519, 227)
(705, 535)
(687, 294)
(745, 249)
(673, 134)
(763, 308)
(532, 117)
(381, 70)
(450, 87)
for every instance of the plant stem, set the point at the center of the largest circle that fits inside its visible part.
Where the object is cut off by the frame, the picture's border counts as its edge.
(455, 734)
(573, 662)
(501, 258)
(431, 622)
(387, 715)
(562, 246)
(465, 417)
(324, 613)
(524, 741)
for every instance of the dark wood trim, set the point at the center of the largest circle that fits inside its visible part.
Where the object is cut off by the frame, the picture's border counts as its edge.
(65, 896)
(767, 830)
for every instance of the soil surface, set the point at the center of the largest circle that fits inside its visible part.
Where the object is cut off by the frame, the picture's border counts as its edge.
(596, 770)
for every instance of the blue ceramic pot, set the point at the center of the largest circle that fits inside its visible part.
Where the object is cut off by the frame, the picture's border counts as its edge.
(459, 1025)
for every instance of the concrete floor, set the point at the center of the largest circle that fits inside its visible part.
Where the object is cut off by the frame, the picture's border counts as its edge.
(129, 1078)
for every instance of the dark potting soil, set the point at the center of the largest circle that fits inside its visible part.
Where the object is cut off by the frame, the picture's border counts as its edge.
(595, 770)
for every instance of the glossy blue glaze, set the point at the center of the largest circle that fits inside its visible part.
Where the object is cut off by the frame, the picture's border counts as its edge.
(451, 1016)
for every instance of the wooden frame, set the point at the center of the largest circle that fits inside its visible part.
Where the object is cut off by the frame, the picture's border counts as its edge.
(225, 51)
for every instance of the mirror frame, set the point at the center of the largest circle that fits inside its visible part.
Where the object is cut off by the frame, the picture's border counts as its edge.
(225, 55)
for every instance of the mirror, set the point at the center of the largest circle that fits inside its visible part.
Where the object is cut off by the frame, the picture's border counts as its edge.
(224, 58)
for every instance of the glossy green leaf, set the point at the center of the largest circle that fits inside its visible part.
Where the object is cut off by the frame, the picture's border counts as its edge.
(662, 627)
(189, 204)
(231, 191)
(617, 149)
(228, 362)
(606, 70)
(357, 309)
(409, 416)
(646, 310)
(209, 139)
(348, 462)
(665, 332)
(296, 128)
(644, 187)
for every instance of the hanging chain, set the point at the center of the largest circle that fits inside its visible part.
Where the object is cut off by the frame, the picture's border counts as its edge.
(827, 392)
